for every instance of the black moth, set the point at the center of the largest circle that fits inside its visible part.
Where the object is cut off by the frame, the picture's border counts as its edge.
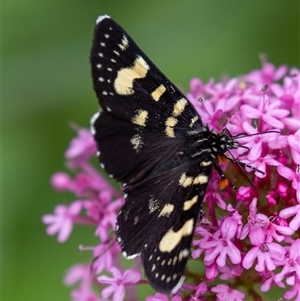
(151, 138)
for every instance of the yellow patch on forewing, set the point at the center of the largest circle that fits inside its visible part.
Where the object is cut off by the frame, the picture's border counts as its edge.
(167, 210)
(187, 205)
(179, 107)
(171, 239)
(158, 92)
(124, 81)
(140, 118)
(170, 123)
(185, 181)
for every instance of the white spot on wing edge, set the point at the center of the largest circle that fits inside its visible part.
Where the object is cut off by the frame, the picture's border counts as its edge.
(101, 18)
(92, 122)
(178, 285)
(130, 256)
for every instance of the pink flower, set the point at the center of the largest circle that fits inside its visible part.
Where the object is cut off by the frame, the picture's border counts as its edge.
(118, 283)
(256, 220)
(211, 271)
(291, 267)
(292, 141)
(62, 220)
(222, 247)
(243, 193)
(267, 74)
(230, 271)
(292, 176)
(269, 112)
(292, 211)
(61, 181)
(294, 292)
(82, 274)
(255, 142)
(199, 293)
(210, 115)
(104, 256)
(225, 293)
(104, 211)
(81, 146)
(79, 272)
(267, 254)
(252, 232)
(261, 164)
(162, 297)
(268, 281)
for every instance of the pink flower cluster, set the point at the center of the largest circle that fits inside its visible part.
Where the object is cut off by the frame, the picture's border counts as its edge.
(248, 240)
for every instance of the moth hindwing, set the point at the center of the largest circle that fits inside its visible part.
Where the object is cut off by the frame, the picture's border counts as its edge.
(151, 138)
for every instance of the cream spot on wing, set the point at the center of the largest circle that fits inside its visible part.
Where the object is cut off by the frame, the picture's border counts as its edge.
(179, 107)
(200, 179)
(205, 163)
(158, 92)
(124, 43)
(185, 181)
(193, 120)
(153, 205)
(183, 253)
(189, 204)
(140, 118)
(137, 142)
(171, 239)
(170, 123)
(124, 81)
(167, 210)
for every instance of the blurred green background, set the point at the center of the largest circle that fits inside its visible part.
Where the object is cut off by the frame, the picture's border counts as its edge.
(46, 85)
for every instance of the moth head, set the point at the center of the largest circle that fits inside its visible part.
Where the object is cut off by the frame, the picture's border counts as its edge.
(226, 141)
